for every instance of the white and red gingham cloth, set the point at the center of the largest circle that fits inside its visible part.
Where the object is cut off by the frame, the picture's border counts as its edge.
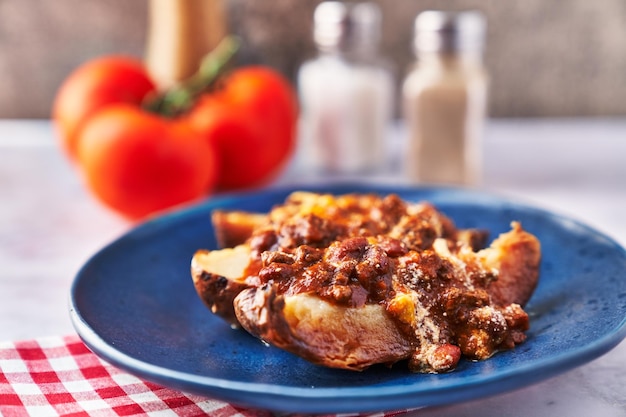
(60, 376)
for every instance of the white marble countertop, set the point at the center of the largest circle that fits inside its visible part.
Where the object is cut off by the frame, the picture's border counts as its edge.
(50, 225)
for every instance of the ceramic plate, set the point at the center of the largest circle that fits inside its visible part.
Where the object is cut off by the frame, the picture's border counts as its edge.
(134, 304)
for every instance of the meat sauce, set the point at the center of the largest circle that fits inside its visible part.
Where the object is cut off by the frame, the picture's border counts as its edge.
(350, 255)
(364, 249)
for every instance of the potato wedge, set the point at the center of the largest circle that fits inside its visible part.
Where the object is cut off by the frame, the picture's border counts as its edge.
(321, 332)
(219, 276)
(516, 256)
(233, 228)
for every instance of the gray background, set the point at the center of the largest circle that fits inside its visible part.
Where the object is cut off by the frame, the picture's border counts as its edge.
(546, 58)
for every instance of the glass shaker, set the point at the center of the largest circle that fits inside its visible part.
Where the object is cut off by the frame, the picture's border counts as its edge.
(346, 92)
(445, 98)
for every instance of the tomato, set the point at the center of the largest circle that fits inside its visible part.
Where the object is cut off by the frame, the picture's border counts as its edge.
(142, 150)
(139, 163)
(93, 86)
(251, 119)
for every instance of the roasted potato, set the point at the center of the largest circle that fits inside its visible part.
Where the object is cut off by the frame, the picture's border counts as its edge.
(219, 276)
(233, 228)
(377, 281)
(321, 332)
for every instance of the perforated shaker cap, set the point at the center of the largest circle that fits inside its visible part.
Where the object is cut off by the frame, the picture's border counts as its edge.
(346, 26)
(449, 31)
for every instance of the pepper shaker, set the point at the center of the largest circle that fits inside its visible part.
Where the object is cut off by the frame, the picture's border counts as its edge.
(445, 98)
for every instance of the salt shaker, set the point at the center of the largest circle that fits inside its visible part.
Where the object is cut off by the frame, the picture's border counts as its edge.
(445, 98)
(346, 92)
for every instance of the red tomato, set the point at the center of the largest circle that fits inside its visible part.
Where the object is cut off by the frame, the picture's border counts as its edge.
(251, 119)
(139, 163)
(93, 86)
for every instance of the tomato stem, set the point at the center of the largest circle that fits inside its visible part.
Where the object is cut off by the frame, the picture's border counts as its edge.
(178, 99)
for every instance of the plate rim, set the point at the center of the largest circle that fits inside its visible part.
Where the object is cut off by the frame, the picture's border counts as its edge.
(339, 399)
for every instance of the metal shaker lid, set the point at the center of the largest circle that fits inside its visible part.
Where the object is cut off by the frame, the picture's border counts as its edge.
(346, 26)
(441, 31)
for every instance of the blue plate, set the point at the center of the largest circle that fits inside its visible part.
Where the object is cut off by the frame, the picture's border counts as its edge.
(134, 304)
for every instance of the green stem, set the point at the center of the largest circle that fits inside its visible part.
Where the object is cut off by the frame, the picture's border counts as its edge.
(180, 98)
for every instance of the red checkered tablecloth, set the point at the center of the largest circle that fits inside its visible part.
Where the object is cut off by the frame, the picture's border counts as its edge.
(59, 376)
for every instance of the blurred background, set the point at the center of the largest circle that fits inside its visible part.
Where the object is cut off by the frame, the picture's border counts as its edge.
(545, 59)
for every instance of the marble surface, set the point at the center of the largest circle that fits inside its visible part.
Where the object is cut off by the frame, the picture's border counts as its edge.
(50, 225)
